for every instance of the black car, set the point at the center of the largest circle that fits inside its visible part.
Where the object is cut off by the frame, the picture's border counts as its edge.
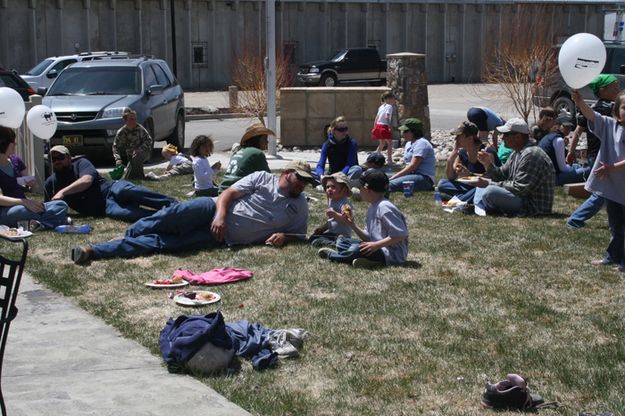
(12, 80)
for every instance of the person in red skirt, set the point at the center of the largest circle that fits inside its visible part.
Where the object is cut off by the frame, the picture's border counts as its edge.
(382, 131)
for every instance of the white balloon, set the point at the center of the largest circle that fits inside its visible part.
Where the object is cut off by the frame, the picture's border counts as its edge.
(12, 108)
(581, 59)
(41, 121)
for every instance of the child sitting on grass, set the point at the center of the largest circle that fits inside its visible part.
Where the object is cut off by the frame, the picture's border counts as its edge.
(203, 173)
(338, 192)
(179, 163)
(385, 240)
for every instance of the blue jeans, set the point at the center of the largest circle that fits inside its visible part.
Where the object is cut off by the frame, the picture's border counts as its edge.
(494, 198)
(126, 201)
(55, 213)
(421, 183)
(579, 174)
(616, 221)
(348, 249)
(454, 188)
(179, 227)
(586, 211)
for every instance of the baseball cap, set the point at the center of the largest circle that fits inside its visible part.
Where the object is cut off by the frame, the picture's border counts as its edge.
(514, 125)
(375, 180)
(60, 149)
(376, 158)
(302, 169)
(467, 128)
(338, 177)
(411, 124)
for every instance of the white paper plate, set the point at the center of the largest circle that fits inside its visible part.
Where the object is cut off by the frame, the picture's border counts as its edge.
(162, 286)
(470, 180)
(184, 301)
(20, 233)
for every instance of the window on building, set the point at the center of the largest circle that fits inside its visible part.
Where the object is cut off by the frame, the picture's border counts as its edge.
(200, 52)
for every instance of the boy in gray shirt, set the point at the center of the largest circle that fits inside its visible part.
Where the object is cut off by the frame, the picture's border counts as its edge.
(385, 240)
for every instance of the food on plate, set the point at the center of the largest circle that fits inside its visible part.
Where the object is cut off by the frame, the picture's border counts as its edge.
(347, 210)
(204, 296)
(12, 232)
(173, 281)
(451, 203)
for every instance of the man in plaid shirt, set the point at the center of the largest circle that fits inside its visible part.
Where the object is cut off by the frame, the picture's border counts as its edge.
(525, 184)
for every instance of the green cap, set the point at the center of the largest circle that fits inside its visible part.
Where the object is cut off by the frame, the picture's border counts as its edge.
(601, 81)
(411, 124)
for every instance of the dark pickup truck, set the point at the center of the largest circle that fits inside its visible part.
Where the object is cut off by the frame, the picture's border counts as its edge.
(346, 65)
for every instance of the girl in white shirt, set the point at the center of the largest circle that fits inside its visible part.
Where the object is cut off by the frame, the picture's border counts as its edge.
(382, 131)
(203, 173)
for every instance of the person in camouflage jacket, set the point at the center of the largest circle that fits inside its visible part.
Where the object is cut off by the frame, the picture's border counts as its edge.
(132, 146)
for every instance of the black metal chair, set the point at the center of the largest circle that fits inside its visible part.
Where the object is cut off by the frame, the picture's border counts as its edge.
(12, 260)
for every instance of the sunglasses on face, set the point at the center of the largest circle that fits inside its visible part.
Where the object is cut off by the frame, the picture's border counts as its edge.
(58, 158)
(341, 129)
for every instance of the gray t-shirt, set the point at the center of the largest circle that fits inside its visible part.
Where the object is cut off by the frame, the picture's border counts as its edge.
(385, 220)
(612, 150)
(334, 226)
(263, 211)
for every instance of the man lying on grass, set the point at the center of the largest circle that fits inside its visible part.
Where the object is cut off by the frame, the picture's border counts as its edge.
(260, 208)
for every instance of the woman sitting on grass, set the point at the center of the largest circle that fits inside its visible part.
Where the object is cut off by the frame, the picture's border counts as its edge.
(463, 162)
(203, 173)
(14, 206)
(419, 158)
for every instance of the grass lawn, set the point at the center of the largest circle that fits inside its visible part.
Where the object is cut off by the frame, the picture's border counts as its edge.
(479, 298)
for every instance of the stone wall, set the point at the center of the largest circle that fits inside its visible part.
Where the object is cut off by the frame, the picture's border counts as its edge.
(408, 81)
(305, 111)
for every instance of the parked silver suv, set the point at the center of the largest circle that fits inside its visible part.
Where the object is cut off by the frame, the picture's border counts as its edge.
(88, 99)
(557, 94)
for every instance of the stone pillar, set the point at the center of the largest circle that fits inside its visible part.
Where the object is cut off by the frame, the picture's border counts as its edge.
(407, 79)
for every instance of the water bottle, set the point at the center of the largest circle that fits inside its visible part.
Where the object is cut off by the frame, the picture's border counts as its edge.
(438, 200)
(73, 229)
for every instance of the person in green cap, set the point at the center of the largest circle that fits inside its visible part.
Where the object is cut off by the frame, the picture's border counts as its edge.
(605, 87)
(420, 162)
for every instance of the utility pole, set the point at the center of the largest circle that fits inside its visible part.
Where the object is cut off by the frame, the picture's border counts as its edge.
(270, 66)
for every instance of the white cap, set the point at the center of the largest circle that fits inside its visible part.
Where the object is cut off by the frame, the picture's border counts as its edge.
(515, 125)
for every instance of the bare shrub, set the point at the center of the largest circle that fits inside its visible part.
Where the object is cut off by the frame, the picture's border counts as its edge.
(249, 75)
(524, 57)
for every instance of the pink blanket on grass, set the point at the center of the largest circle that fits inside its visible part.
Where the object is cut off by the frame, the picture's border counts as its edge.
(215, 276)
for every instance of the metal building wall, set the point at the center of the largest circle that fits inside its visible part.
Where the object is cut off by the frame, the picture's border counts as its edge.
(455, 35)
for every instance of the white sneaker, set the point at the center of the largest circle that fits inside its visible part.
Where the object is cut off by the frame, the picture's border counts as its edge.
(151, 175)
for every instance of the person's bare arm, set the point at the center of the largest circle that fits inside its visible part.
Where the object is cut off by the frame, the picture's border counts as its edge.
(583, 107)
(411, 167)
(79, 185)
(570, 156)
(218, 226)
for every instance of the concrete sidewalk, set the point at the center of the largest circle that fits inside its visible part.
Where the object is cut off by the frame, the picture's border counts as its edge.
(60, 360)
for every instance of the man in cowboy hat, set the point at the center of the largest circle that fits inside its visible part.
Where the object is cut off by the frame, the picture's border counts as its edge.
(260, 208)
(250, 157)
